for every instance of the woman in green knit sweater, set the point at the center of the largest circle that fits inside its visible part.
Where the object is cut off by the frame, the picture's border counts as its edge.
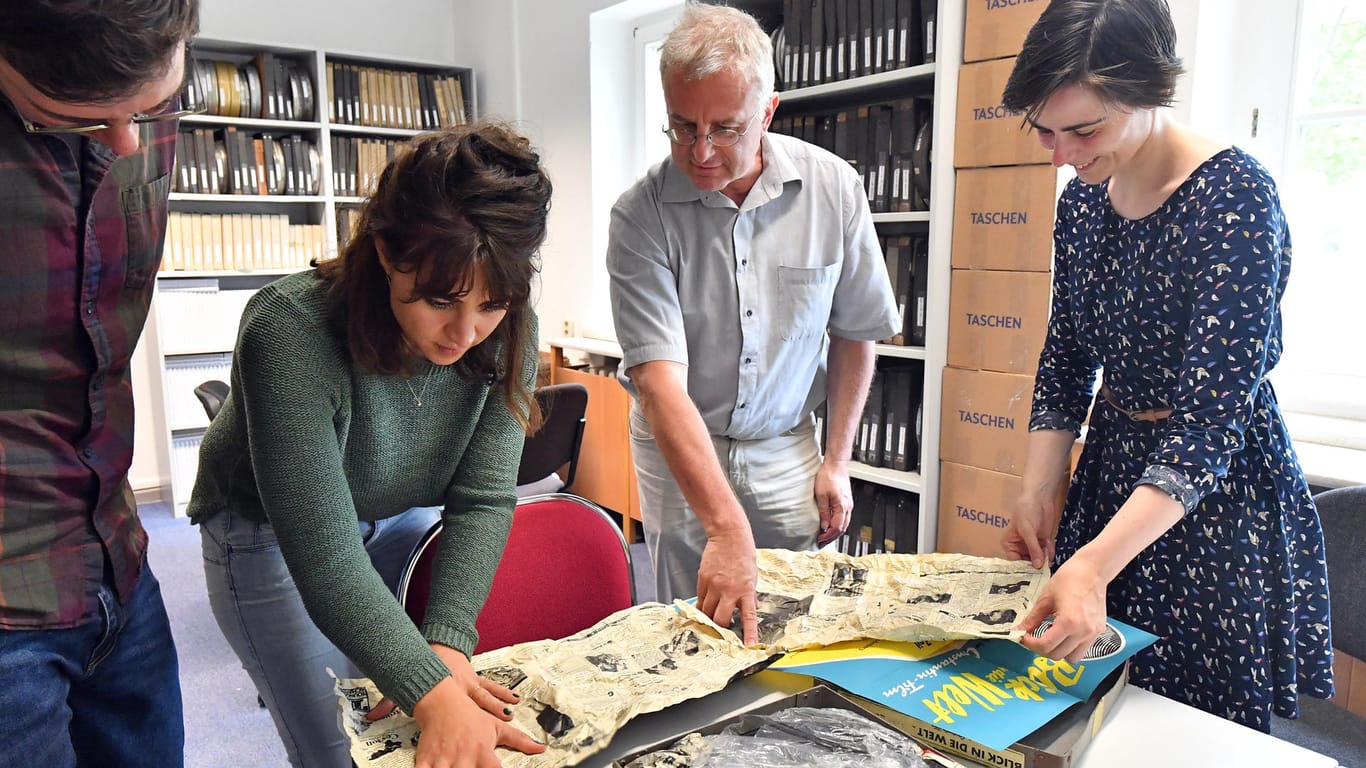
(370, 396)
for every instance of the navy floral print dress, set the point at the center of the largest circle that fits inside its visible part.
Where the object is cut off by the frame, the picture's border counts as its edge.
(1181, 310)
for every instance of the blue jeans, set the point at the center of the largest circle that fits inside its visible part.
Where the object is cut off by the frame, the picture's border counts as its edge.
(263, 618)
(106, 693)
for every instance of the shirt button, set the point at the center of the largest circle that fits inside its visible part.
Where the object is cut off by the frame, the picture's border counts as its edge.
(748, 360)
(749, 313)
(744, 262)
(90, 308)
(89, 453)
(742, 406)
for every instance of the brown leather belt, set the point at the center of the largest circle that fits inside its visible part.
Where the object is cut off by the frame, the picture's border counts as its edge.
(1151, 414)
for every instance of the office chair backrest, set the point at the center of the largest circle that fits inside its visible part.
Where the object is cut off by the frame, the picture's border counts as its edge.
(565, 568)
(211, 395)
(1343, 512)
(558, 440)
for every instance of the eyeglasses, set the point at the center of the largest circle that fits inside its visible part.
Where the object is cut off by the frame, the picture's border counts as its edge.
(137, 119)
(721, 137)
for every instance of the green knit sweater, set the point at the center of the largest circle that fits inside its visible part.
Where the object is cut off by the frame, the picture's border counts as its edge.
(312, 444)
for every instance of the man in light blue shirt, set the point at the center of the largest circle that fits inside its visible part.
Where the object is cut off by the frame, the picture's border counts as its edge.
(732, 262)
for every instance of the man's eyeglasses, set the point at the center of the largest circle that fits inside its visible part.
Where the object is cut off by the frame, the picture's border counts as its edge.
(721, 137)
(171, 113)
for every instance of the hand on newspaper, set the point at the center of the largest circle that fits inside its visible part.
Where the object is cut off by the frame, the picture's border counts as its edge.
(834, 499)
(726, 581)
(1075, 598)
(1029, 535)
(495, 702)
(457, 722)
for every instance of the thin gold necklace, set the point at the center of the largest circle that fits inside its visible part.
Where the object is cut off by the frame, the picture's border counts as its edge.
(417, 396)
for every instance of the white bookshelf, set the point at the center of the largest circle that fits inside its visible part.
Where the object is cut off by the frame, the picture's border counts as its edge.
(195, 314)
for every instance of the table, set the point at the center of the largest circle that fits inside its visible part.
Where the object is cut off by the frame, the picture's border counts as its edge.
(1144, 730)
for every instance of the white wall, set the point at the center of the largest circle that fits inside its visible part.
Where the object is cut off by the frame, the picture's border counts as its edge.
(533, 61)
(402, 29)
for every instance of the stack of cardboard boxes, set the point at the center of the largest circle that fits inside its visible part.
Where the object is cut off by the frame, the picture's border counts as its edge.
(998, 309)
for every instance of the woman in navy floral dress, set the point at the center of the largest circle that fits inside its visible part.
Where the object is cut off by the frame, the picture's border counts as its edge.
(1189, 515)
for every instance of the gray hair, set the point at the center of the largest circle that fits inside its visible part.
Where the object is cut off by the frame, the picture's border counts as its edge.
(710, 39)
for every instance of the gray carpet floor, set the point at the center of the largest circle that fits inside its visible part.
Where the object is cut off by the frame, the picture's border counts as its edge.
(224, 727)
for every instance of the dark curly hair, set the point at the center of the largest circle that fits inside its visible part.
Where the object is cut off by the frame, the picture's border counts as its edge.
(452, 201)
(94, 51)
(1124, 50)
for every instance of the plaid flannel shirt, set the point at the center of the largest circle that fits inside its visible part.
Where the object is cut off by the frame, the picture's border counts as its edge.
(76, 280)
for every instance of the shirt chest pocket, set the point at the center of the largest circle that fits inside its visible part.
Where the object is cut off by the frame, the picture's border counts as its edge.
(804, 298)
(144, 217)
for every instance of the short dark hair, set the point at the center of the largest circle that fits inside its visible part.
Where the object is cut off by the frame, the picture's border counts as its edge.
(1124, 50)
(452, 201)
(94, 51)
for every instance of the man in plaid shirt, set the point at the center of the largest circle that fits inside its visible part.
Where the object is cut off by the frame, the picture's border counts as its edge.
(88, 120)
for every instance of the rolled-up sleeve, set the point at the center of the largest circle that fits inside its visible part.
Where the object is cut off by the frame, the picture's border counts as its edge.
(643, 288)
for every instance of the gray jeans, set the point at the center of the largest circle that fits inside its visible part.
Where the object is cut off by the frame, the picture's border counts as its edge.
(774, 480)
(262, 616)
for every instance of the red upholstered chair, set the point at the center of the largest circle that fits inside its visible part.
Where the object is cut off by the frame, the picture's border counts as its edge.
(565, 568)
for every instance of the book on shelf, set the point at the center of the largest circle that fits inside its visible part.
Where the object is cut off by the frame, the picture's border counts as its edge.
(883, 520)
(198, 242)
(920, 277)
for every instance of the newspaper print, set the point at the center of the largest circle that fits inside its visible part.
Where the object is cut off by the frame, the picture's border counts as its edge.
(576, 693)
(811, 599)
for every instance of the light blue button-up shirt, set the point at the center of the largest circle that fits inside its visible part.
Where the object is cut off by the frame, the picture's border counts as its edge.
(746, 296)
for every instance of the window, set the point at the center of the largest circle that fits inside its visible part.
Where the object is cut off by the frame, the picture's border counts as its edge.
(1321, 378)
(627, 109)
(654, 144)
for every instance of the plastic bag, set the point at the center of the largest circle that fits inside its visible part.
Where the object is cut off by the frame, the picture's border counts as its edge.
(797, 737)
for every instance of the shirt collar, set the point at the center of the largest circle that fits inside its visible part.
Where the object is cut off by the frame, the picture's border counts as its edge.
(778, 170)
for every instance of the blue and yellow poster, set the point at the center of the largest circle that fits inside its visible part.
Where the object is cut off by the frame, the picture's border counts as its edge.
(994, 692)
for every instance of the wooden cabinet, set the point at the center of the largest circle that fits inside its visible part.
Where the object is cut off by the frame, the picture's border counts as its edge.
(605, 473)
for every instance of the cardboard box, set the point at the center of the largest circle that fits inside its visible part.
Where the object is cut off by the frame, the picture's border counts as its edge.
(996, 28)
(1056, 745)
(1003, 217)
(975, 507)
(988, 133)
(985, 419)
(998, 320)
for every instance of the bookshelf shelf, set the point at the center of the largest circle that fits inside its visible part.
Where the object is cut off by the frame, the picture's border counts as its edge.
(880, 85)
(184, 430)
(197, 351)
(904, 481)
(186, 275)
(899, 217)
(228, 199)
(253, 123)
(366, 130)
(905, 353)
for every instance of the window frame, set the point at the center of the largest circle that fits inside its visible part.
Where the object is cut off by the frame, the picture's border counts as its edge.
(1321, 409)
